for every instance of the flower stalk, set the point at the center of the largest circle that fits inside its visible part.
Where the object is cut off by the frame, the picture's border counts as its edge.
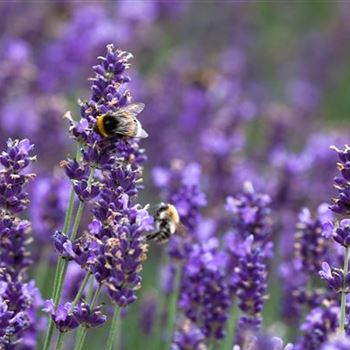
(113, 331)
(171, 320)
(230, 329)
(343, 293)
(59, 270)
(83, 330)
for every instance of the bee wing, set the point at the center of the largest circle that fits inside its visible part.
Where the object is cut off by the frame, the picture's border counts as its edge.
(133, 108)
(181, 229)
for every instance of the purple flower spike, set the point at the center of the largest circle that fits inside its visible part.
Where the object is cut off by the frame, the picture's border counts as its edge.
(18, 298)
(341, 204)
(67, 317)
(319, 326)
(342, 233)
(310, 244)
(251, 213)
(335, 278)
(205, 295)
(88, 317)
(63, 316)
(188, 337)
(114, 247)
(337, 344)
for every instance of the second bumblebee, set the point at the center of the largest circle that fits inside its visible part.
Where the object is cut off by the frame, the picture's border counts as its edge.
(167, 222)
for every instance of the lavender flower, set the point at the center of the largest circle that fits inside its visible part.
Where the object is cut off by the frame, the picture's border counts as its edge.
(251, 213)
(264, 342)
(114, 247)
(320, 324)
(62, 316)
(337, 344)
(335, 278)
(341, 233)
(189, 336)
(18, 296)
(251, 289)
(310, 245)
(341, 204)
(204, 295)
(66, 317)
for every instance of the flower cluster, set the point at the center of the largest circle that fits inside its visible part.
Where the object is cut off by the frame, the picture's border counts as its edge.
(310, 245)
(335, 278)
(250, 213)
(337, 344)
(18, 296)
(341, 204)
(339, 231)
(204, 295)
(319, 325)
(67, 317)
(189, 336)
(113, 248)
(247, 247)
(264, 342)
(251, 289)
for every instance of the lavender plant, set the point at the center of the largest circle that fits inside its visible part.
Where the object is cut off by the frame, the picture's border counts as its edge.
(19, 297)
(106, 172)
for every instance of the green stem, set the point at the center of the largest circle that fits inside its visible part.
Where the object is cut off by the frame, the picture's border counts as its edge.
(62, 270)
(155, 336)
(63, 263)
(88, 298)
(90, 291)
(97, 293)
(81, 290)
(67, 222)
(230, 329)
(213, 345)
(76, 300)
(68, 217)
(72, 238)
(171, 321)
(60, 341)
(83, 330)
(62, 274)
(343, 293)
(113, 332)
(77, 221)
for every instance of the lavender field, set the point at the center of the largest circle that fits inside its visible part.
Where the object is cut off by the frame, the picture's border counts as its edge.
(174, 175)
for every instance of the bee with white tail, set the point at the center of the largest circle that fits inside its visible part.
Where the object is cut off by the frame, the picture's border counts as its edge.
(122, 122)
(167, 222)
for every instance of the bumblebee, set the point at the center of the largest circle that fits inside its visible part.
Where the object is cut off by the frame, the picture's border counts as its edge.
(122, 122)
(167, 222)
